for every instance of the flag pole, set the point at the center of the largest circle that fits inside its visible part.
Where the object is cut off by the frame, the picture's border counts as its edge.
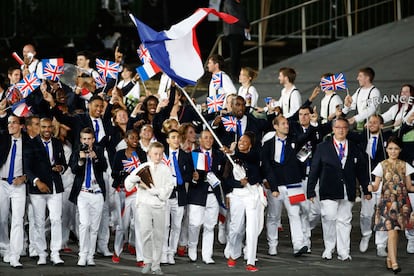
(212, 133)
(143, 84)
(205, 123)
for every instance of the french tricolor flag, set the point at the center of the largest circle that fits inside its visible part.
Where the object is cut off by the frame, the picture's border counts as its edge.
(295, 193)
(21, 109)
(176, 51)
(199, 161)
(148, 70)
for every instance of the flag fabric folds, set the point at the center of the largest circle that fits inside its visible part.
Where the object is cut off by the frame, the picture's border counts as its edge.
(52, 72)
(108, 69)
(333, 82)
(199, 161)
(21, 109)
(217, 79)
(131, 163)
(143, 54)
(229, 123)
(99, 81)
(176, 50)
(148, 70)
(216, 102)
(296, 193)
(28, 84)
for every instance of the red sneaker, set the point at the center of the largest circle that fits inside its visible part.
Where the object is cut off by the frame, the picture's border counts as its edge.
(131, 250)
(140, 264)
(231, 262)
(251, 268)
(181, 251)
(115, 259)
(67, 250)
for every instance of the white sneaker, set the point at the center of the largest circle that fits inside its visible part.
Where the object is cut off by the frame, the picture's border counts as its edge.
(272, 251)
(209, 261)
(170, 258)
(6, 259)
(90, 262)
(363, 245)
(192, 254)
(81, 261)
(164, 259)
(146, 269)
(158, 272)
(15, 264)
(327, 255)
(56, 260)
(42, 260)
(381, 252)
(345, 258)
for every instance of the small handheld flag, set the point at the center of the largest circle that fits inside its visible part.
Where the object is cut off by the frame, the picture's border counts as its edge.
(143, 54)
(217, 79)
(131, 163)
(148, 70)
(52, 72)
(215, 103)
(28, 84)
(229, 123)
(108, 69)
(333, 82)
(199, 161)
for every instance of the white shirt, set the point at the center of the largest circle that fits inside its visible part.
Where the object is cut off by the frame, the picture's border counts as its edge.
(370, 144)
(278, 148)
(333, 100)
(18, 161)
(392, 114)
(290, 101)
(227, 86)
(360, 102)
(170, 157)
(133, 93)
(50, 150)
(251, 90)
(94, 184)
(101, 133)
(337, 147)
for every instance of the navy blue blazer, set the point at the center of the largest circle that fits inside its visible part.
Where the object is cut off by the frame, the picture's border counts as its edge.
(197, 192)
(185, 163)
(99, 167)
(6, 144)
(37, 165)
(327, 168)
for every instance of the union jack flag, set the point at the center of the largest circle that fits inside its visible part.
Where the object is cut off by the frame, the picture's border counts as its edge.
(216, 102)
(229, 123)
(131, 163)
(333, 82)
(143, 54)
(165, 160)
(217, 79)
(108, 69)
(52, 72)
(99, 81)
(28, 84)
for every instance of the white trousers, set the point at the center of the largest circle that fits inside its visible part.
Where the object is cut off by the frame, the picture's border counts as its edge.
(336, 225)
(124, 220)
(299, 240)
(206, 216)
(103, 232)
(152, 225)
(16, 196)
(273, 218)
(183, 240)
(53, 202)
(173, 218)
(244, 218)
(68, 216)
(90, 212)
(314, 214)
